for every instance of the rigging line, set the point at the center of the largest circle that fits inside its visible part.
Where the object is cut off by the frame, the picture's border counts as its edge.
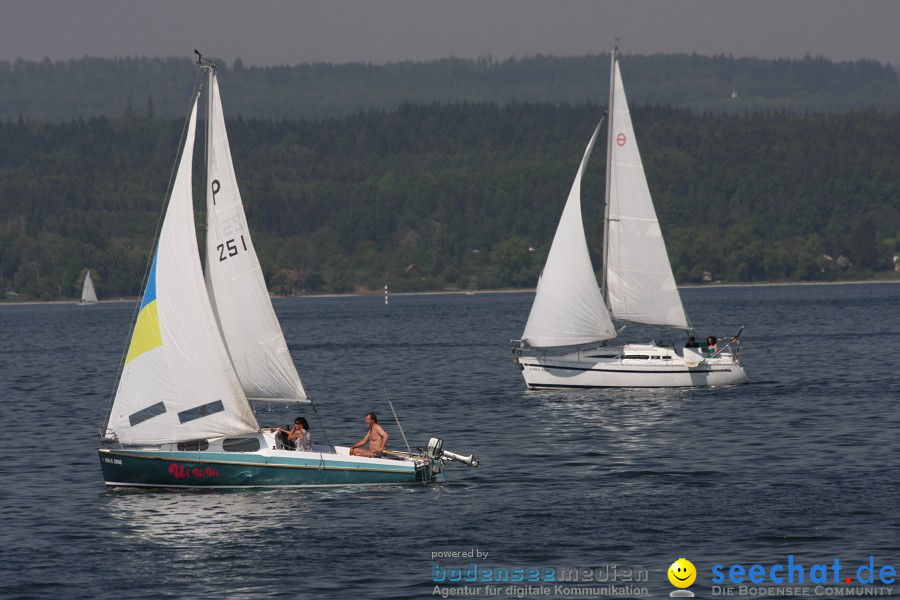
(206, 73)
(391, 404)
(198, 84)
(319, 420)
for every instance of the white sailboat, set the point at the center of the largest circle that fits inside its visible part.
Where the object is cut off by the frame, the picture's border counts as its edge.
(88, 294)
(204, 345)
(572, 310)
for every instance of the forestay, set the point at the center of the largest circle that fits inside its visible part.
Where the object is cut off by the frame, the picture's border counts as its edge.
(178, 382)
(235, 280)
(568, 306)
(639, 280)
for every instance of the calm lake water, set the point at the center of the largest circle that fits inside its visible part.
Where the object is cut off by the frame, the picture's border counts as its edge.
(802, 462)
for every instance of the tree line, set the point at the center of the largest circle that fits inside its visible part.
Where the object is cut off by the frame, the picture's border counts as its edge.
(148, 87)
(456, 195)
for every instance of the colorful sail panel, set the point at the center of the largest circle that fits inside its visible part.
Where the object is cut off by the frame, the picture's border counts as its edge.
(146, 334)
(177, 363)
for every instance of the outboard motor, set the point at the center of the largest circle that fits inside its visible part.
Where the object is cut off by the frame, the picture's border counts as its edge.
(435, 450)
(435, 447)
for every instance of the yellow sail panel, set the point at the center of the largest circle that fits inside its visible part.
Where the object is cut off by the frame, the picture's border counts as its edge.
(183, 386)
(146, 332)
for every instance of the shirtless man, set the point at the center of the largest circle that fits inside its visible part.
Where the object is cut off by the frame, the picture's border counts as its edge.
(377, 439)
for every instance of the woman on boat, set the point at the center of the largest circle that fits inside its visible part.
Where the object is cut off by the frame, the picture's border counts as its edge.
(298, 437)
(711, 348)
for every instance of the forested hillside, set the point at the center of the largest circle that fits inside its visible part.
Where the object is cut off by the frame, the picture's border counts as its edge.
(456, 195)
(91, 87)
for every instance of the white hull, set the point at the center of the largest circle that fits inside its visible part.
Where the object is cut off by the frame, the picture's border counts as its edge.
(633, 366)
(637, 286)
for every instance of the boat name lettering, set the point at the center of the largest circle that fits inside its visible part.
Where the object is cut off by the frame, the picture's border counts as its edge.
(182, 472)
(232, 248)
(112, 461)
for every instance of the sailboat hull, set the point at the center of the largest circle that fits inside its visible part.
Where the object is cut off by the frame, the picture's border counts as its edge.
(637, 286)
(167, 467)
(204, 343)
(655, 367)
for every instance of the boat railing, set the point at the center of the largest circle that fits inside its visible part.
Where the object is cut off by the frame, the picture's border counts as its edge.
(520, 349)
(731, 349)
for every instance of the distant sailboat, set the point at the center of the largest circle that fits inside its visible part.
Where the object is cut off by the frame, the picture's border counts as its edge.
(203, 346)
(571, 309)
(88, 294)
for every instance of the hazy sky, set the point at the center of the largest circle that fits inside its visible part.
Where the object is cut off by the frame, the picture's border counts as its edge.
(278, 32)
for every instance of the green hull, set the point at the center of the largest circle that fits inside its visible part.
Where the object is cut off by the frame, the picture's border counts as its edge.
(160, 469)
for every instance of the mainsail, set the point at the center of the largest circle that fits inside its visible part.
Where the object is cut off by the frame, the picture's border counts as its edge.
(88, 294)
(640, 286)
(178, 383)
(568, 307)
(235, 281)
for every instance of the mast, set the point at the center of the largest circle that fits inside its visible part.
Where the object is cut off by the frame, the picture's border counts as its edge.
(210, 68)
(609, 142)
(210, 73)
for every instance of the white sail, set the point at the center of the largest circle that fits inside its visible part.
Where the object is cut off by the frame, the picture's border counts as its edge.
(568, 306)
(639, 280)
(235, 280)
(178, 383)
(637, 286)
(88, 294)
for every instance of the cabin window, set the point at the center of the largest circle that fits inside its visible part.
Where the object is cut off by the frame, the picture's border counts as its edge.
(193, 446)
(240, 444)
(637, 356)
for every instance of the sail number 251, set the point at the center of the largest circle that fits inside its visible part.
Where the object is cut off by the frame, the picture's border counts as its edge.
(230, 248)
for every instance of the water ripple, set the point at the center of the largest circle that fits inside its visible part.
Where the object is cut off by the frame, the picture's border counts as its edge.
(802, 461)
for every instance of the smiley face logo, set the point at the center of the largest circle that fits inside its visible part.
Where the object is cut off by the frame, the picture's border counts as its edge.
(682, 573)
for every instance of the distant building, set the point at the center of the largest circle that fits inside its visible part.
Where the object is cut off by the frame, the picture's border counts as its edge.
(414, 268)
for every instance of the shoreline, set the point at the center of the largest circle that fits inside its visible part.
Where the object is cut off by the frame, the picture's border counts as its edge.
(73, 302)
